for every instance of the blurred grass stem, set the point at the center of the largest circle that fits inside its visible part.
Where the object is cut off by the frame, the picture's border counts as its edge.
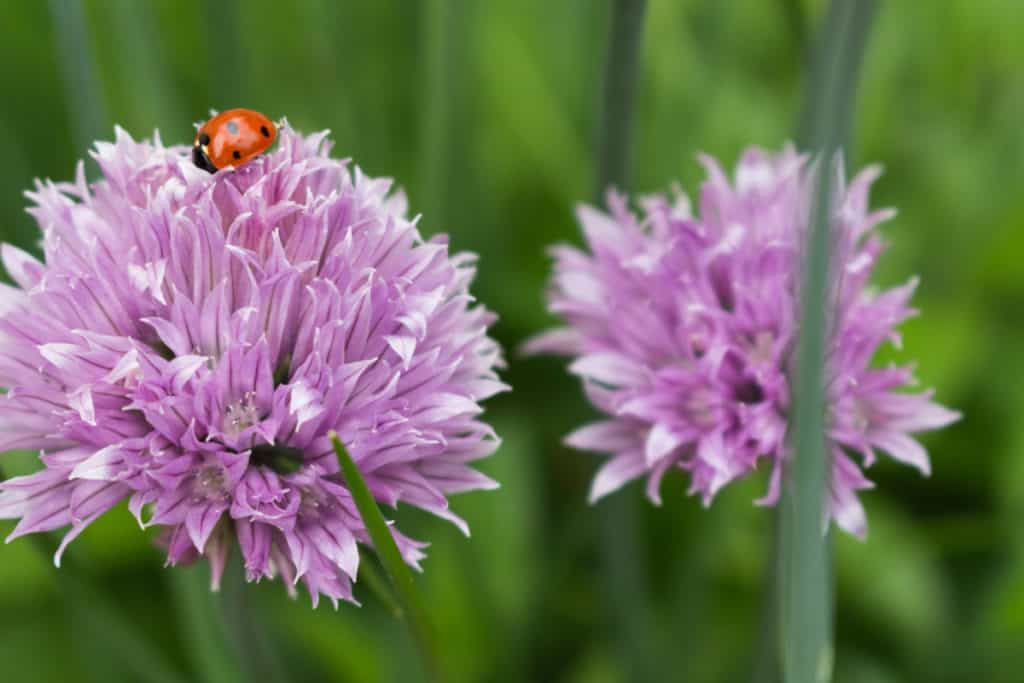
(83, 94)
(378, 585)
(440, 30)
(621, 79)
(766, 654)
(806, 583)
(201, 627)
(624, 557)
(246, 628)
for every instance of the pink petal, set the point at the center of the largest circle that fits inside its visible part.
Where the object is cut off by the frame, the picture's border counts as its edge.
(609, 368)
(661, 441)
(615, 473)
(903, 448)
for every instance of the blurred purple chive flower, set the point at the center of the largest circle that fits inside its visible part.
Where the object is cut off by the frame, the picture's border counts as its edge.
(683, 329)
(190, 341)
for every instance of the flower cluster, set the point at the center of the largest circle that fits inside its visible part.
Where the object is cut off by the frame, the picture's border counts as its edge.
(683, 327)
(190, 340)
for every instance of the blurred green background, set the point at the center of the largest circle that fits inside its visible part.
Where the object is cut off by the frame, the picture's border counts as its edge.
(487, 113)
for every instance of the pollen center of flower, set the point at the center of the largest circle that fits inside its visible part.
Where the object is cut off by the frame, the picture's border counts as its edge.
(699, 407)
(240, 415)
(208, 484)
(312, 503)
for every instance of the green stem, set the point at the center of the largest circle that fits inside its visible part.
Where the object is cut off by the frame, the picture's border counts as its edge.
(155, 102)
(625, 575)
(766, 656)
(621, 78)
(834, 70)
(245, 626)
(378, 585)
(807, 584)
(397, 570)
(440, 28)
(201, 627)
(623, 555)
(78, 72)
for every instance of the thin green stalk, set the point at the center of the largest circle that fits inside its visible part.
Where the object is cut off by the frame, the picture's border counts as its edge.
(807, 651)
(796, 22)
(78, 72)
(766, 655)
(378, 585)
(836, 58)
(397, 570)
(621, 78)
(201, 627)
(245, 626)
(439, 28)
(623, 554)
(627, 595)
(155, 100)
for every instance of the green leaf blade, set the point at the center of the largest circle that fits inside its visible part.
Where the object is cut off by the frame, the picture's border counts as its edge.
(806, 581)
(391, 558)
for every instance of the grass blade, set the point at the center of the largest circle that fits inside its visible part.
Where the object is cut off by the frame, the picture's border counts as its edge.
(625, 569)
(436, 174)
(201, 626)
(378, 585)
(621, 78)
(397, 570)
(82, 87)
(246, 627)
(807, 651)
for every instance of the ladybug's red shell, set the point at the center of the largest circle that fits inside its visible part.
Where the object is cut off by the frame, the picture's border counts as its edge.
(232, 138)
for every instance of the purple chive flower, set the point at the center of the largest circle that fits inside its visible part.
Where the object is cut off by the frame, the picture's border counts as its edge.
(190, 340)
(683, 328)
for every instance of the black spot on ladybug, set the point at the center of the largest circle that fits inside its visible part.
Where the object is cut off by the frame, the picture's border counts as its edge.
(264, 132)
(232, 127)
(204, 139)
(236, 154)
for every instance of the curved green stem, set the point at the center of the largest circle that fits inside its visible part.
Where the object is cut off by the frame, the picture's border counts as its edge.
(397, 570)
(378, 585)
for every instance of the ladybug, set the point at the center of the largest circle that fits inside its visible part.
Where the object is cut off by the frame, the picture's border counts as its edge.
(232, 138)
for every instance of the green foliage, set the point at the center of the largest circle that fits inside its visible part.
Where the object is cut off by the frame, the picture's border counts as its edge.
(936, 593)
